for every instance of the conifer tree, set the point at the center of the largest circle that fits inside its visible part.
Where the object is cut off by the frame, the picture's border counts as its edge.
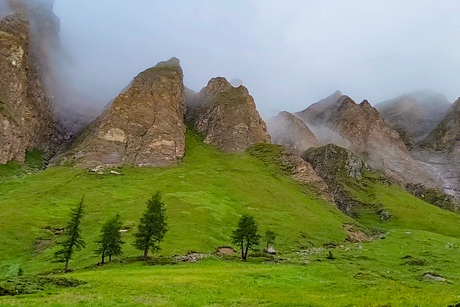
(73, 240)
(152, 226)
(110, 242)
(245, 235)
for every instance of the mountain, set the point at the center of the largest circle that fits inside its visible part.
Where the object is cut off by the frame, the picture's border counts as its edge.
(142, 126)
(26, 111)
(288, 130)
(361, 129)
(226, 116)
(415, 114)
(441, 148)
(316, 111)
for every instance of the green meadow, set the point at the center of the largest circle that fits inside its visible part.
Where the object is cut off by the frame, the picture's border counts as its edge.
(205, 195)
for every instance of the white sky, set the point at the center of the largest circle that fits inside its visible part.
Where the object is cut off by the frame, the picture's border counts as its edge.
(288, 53)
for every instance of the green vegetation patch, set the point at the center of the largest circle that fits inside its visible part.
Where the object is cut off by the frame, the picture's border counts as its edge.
(30, 285)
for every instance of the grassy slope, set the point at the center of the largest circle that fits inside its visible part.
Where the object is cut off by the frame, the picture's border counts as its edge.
(408, 211)
(205, 196)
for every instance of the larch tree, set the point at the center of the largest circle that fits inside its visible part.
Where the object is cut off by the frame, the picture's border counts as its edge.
(245, 235)
(110, 241)
(73, 240)
(152, 226)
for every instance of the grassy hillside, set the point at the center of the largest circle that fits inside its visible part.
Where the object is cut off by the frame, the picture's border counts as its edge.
(205, 195)
(406, 210)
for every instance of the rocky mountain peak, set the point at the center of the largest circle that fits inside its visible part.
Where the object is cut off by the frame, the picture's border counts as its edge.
(143, 126)
(227, 116)
(311, 113)
(361, 129)
(216, 85)
(288, 130)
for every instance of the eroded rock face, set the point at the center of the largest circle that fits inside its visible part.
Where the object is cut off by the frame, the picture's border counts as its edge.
(26, 117)
(143, 126)
(227, 116)
(361, 129)
(415, 114)
(441, 148)
(288, 130)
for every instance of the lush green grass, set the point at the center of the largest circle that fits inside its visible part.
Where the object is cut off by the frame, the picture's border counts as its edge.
(380, 273)
(407, 211)
(205, 196)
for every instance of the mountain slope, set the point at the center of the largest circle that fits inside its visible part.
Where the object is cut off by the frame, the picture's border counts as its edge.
(441, 148)
(361, 129)
(415, 114)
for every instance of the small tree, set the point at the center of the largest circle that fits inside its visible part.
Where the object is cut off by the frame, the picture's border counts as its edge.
(73, 240)
(270, 237)
(152, 226)
(110, 242)
(245, 235)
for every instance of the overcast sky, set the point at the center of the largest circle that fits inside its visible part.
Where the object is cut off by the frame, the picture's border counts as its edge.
(288, 53)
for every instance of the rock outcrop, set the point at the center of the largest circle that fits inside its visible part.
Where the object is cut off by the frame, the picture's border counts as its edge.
(361, 129)
(333, 164)
(226, 116)
(288, 130)
(415, 114)
(143, 126)
(26, 112)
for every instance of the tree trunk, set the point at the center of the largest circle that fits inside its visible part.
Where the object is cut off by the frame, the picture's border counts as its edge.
(66, 265)
(243, 256)
(247, 249)
(146, 251)
(110, 258)
(103, 257)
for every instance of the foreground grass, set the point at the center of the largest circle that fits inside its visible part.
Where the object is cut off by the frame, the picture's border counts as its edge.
(380, 273)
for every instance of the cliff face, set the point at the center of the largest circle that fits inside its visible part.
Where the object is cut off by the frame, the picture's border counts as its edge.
(143, 126)
(227, 116)
(361, 129)
(333, 163)
(26, 112)
(414, 115)
(288, 130)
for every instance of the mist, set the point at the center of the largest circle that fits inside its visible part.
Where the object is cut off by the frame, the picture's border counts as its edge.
(289, 54)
